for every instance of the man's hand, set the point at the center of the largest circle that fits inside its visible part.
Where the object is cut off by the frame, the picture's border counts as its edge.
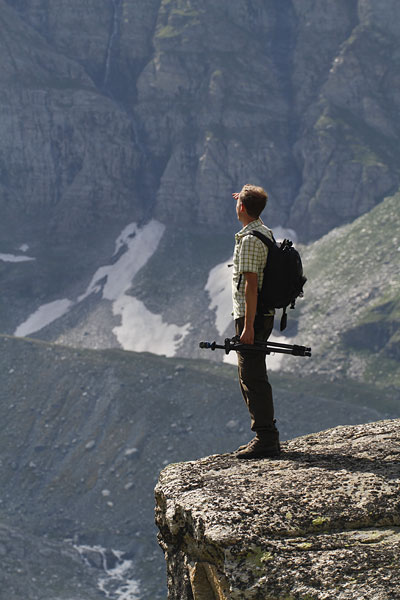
(247, 336)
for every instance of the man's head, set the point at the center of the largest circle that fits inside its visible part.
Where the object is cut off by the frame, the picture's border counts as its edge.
(253, 199)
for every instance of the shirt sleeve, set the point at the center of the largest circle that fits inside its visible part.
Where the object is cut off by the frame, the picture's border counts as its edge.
(250, 255)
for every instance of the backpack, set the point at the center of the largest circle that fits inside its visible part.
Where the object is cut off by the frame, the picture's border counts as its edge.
(283, 277)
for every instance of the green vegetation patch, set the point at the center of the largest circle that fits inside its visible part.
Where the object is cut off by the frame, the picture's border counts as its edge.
(321, 521)
(259, 557)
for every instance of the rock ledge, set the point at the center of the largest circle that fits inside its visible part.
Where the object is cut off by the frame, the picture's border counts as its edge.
(322, 522)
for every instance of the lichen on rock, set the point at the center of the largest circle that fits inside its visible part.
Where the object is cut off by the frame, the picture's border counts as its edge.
(321, 522)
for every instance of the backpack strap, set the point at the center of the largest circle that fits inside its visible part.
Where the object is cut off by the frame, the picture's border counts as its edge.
(265, 240)
(271, 243)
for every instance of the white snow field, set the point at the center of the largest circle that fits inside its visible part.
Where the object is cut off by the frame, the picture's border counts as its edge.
(143, 331)
(219, 288)
(140, 245)
(15, 258)
(44, 315)
(140, 330)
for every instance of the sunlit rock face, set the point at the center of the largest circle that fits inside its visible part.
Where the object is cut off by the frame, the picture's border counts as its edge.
(162, 109)
(323, 521)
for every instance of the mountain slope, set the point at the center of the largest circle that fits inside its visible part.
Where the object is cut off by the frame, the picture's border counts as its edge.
(350, 313)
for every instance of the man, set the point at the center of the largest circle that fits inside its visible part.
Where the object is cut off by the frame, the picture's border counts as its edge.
(249, 260)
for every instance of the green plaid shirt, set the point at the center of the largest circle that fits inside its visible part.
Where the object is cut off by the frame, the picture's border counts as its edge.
(250, 256)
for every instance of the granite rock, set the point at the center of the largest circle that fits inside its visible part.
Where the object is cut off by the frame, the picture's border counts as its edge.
(321, 522)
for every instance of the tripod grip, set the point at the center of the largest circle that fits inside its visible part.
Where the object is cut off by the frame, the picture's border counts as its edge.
(207, 345)
(301, 351)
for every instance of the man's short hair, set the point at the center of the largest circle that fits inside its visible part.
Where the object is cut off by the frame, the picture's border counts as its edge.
(254, 199)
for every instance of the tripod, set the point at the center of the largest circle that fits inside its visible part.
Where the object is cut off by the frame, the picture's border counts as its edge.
(267, 347)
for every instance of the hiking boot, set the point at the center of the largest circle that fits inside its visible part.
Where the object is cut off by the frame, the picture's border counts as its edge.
(259, 448)
(251, 441)
(244, 446)
(269, 436)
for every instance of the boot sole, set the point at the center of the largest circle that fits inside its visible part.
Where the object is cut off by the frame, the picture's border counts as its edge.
(251, 455)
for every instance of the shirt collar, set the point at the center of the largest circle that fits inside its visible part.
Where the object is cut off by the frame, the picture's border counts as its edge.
(249, 227)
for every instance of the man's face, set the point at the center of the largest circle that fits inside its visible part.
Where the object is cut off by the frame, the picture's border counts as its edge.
(238, 205)
(239, 208)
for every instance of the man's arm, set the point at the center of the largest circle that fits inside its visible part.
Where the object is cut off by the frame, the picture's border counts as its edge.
(250, 297)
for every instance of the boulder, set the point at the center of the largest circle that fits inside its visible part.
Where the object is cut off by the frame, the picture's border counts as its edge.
(321, 522)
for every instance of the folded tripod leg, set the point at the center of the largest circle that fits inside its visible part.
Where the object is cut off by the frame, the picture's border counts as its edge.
(267, 347)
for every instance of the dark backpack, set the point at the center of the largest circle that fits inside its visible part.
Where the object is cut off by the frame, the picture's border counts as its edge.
(283, 277)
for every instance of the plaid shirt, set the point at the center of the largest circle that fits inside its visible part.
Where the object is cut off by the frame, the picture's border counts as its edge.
(250, 256)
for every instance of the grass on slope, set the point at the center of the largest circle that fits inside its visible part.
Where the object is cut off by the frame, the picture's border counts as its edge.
(350, 314)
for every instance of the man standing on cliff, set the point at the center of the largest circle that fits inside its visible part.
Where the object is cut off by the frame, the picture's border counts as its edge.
(249, 260)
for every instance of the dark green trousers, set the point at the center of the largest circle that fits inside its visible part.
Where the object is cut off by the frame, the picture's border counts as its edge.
(253, 379)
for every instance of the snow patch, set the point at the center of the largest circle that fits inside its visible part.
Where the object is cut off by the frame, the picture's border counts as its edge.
(128, 233)
(140, 330)
(144, 331)
(219, 288)
(44, 315)
(15, 259)
(114, 280)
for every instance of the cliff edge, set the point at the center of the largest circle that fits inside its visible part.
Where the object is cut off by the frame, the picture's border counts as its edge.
(322, 522)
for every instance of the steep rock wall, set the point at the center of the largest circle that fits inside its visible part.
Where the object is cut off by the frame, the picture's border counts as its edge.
(163, 107)
(321, 522)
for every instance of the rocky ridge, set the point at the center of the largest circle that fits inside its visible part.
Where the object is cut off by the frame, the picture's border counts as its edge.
(321, 522)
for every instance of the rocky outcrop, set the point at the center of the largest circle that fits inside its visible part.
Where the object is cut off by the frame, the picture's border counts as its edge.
(321, 522)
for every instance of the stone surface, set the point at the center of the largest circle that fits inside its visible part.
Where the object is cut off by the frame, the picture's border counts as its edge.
(321, 522)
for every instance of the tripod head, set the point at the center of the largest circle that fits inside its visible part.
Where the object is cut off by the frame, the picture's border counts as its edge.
(266, 347)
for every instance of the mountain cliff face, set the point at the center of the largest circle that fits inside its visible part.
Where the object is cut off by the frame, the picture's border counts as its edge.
(139, 116)
(320, 522)
(350, 314)
(165, 107)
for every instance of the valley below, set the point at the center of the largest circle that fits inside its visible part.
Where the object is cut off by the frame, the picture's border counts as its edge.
(86, 433)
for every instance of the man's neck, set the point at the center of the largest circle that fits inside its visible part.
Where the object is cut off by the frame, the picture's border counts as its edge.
(247, 220)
